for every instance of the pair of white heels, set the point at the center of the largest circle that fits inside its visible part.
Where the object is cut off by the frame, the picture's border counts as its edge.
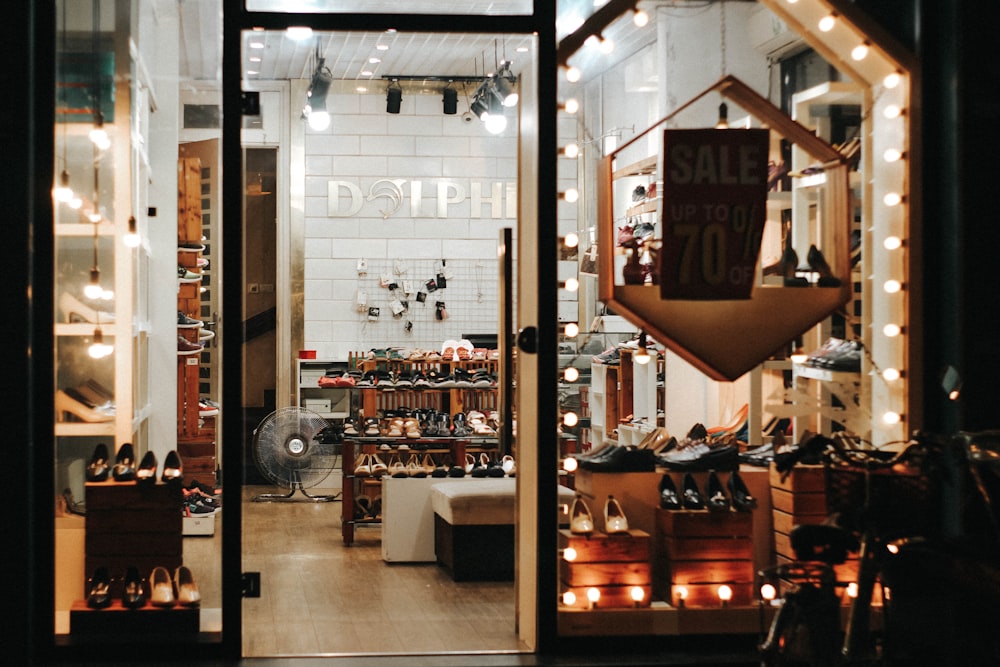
(581, 521)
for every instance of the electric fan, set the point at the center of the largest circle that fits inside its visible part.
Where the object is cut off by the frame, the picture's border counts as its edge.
(287, 452)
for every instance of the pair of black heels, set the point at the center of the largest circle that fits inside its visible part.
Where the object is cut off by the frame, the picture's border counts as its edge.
(99, 589)
(125, 469)
(789, 265)
(715, 498)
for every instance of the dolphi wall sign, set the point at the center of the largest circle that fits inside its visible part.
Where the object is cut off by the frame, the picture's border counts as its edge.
(438, 198)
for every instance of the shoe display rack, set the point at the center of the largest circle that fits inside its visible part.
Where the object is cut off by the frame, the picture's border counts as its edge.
(196, 433)
(620, 393)
(616, 565)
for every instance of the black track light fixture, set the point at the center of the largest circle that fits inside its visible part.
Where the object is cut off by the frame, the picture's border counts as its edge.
(450, 101)
(393, 97)
(319, 85)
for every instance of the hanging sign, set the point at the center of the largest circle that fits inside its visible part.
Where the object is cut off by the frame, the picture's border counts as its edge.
(714, 207)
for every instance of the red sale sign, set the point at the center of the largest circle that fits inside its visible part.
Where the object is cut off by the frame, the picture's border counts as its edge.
(714, 208)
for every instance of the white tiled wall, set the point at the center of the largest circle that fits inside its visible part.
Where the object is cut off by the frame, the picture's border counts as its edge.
(363, 145)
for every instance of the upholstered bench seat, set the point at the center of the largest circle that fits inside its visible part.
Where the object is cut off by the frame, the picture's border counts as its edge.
(474, 528)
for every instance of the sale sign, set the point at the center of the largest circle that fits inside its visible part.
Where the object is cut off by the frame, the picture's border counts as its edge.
(714, 207)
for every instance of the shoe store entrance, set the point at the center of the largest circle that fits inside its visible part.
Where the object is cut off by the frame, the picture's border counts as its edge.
(384, 494)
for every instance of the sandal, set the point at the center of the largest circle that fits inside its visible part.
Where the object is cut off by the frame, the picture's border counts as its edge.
(364, 468)
(378, 467)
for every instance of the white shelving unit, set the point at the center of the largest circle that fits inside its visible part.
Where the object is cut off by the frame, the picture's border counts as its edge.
(327, 402)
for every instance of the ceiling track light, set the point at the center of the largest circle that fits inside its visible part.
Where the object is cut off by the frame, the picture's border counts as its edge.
(393, 97)
(319, 85)
(450, 101)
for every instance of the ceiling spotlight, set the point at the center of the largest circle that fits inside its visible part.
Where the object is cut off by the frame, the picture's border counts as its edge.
(480, 108)
(315, 109)
(393, 97)
(505, 85)
(450, 101)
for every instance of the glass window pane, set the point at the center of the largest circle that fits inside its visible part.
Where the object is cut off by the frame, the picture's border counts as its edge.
(457, 7)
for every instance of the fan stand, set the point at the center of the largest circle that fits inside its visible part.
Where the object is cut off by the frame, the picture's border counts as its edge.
(296, 486)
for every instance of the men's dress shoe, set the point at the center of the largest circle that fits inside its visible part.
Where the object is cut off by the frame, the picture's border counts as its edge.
(146, 472)
(758, 456)
(99, 589)
(185, 347)
(702, 457)
(124, 469)
(581, 521)
(717, 500)
(669, 500)
(133, 592)
(614, 517)
(742, 500)
(693, 499)
(173, 469)
(187, 590)
(161, 588)
(98, 468)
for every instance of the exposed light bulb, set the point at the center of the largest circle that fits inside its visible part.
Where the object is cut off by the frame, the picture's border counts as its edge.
(891, 80)
(571, 105)
(892, 111)
(319, 120)
(640, 19)
(99, 136)
(571, 195)
(495, 123)
(571, 240)
(569, 554)
(606, 46)
(891, 330)
(573, 74)
(298, 33)
(768, 592)
(860, 51)
(571, 374)
(94, 216)
(852, 589)
(891, 418)
(572, 330)
(637, 594)
(892, 286)
(571, 419)
(571, 285)
(892, 243)
(892, 155)
(827, 22)
(63, 192)
(892, 199)
(569, 598)
(93, 289)
(571, 150)
(75, 203)
(570, 464)
(890, 374)
(593, 594)
(132, 238)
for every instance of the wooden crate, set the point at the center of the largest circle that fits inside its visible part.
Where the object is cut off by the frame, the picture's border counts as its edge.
(616, 565)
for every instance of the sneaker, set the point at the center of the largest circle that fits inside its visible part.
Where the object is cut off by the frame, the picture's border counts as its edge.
(185, 322)
(186, 276)
(190, 247)
(608, 357)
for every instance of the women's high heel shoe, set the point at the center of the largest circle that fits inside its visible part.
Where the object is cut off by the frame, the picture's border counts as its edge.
(379, 468)
(614, 517)
(717, 501)
(818, 264)
(98, 468)
(133, 592)
(161, 593)
(742, 500)
(581, 521)
(70, 404)
(788, 266)
(173, 469)
(187, 590)
(693, 499)
(124, 468)
(669, 499)
(99, 589)
(146, 473)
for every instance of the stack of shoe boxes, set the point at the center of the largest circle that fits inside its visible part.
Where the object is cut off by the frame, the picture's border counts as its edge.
(616, 565)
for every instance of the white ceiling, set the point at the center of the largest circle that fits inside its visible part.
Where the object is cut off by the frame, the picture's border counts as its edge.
(348, 54)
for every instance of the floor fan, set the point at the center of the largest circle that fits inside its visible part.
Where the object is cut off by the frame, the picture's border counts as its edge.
(287, 451)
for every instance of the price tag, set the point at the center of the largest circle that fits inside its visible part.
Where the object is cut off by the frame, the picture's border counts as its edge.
(714, 208)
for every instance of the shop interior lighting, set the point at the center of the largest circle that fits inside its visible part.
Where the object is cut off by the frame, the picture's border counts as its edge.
(852, 589)
(298, 33)
(315, 109)
(569, 598)
(505, 85)
(725, 594)
(571, 284)
(891, 330)
(640, 18)
(827, 22)
(93, 288)
(891, 374)
(571, 105)
(768, 592)
(569, 554)
(573, 74)
(571, 240)
(860, 51)
(641, 355)
(132, 238)
(892, 286)
(571, 330)
(892, 199)
(63, 192)
(393, 97)
(449, 101)
(570, 464)
(891, 80)
(892, 155)
(892, 243)
(570, 419)
(637, 594)
(570, 195)
(593, 595)
(723, 122)
(98, 349)
(892, 111)
(571, 374)
(571, 150)
(682, 595)
(891, 418)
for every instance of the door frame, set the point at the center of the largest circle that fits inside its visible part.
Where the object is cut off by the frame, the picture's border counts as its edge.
(537, 378)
